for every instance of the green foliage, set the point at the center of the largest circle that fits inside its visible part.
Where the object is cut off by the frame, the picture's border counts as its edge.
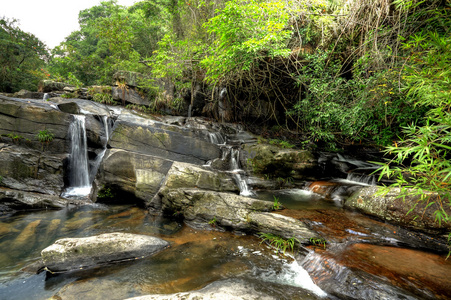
(213, 222)
(246, 31)
(421, 161)
(276, 204)
(22, 57)
(318, 242)
(68, 95)
(14, 136)
(106, 193)
(278, 242)
(281, 143)
(45, 136)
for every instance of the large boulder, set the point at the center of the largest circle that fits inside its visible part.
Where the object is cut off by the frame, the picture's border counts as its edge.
(129, 95)
(14, 200)
(31, 170)
(184, 175)
(286, 227)
(134, 173)
(25, 119)
(146, 137)
(408, 211)
(127, 77)
(75, 253)
(46, 86)
(200, 207)
(278, 162)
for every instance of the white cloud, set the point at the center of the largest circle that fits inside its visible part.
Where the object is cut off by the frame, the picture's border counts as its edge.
(49, 20)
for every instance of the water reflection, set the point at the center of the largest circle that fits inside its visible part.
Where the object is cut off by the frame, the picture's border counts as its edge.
(195, 258)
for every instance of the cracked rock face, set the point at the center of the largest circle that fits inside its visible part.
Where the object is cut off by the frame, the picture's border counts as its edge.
(75, 253)
(158, 140)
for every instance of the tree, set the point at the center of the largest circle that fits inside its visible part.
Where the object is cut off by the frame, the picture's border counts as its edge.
(22, 57)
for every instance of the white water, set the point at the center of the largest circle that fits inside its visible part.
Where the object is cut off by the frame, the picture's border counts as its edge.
(216, 138)
(236, 170)
(79, 183)
(99, 158)
(295, 275)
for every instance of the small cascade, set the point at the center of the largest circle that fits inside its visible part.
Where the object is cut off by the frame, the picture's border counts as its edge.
(361, 179)
(96, 164)
(79, 183)
(216, 138)
(46, 96)
(292, 274)
(236, 171)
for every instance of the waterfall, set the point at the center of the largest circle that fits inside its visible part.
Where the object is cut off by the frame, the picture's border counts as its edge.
(79, 183)
(98, 160)
(216, 138)
(235, 169)
(46, 96)
(361, 179)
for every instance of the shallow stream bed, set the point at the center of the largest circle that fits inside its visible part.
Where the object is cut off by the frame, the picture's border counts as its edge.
(363, 258)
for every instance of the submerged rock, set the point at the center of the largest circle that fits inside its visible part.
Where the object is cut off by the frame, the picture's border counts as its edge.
(75, 253)
(225, 289)
(390, 206)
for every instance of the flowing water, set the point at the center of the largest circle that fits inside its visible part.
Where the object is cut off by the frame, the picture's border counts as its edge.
(194, 259)
(79, 181)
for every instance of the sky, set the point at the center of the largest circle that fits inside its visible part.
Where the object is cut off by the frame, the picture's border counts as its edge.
(49, 20)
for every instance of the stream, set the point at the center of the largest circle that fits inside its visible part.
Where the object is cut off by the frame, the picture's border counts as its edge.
(364, 258)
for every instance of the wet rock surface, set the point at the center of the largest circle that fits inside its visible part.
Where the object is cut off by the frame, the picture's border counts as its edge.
(136, 135)
(134, 173)
(269, 159)
(21, 120)
(389, 205)
(75, 253)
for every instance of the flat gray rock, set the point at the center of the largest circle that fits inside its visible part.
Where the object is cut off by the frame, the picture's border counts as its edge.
(75, 253)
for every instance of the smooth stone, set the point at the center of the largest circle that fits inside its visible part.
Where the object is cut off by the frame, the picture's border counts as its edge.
(75, 253)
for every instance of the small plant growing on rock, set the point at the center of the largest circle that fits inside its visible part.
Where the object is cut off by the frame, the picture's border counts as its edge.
(213, 222)
(45, 136)
(318, 242)
(105, 193)
(280, 243)
(276, 204)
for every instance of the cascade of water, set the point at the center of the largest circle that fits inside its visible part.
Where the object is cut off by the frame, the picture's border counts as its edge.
(98, 160)
(292, 274)
(79, 183)
(46, 96)
(361, 179)
(235, 169)
(216, 138)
